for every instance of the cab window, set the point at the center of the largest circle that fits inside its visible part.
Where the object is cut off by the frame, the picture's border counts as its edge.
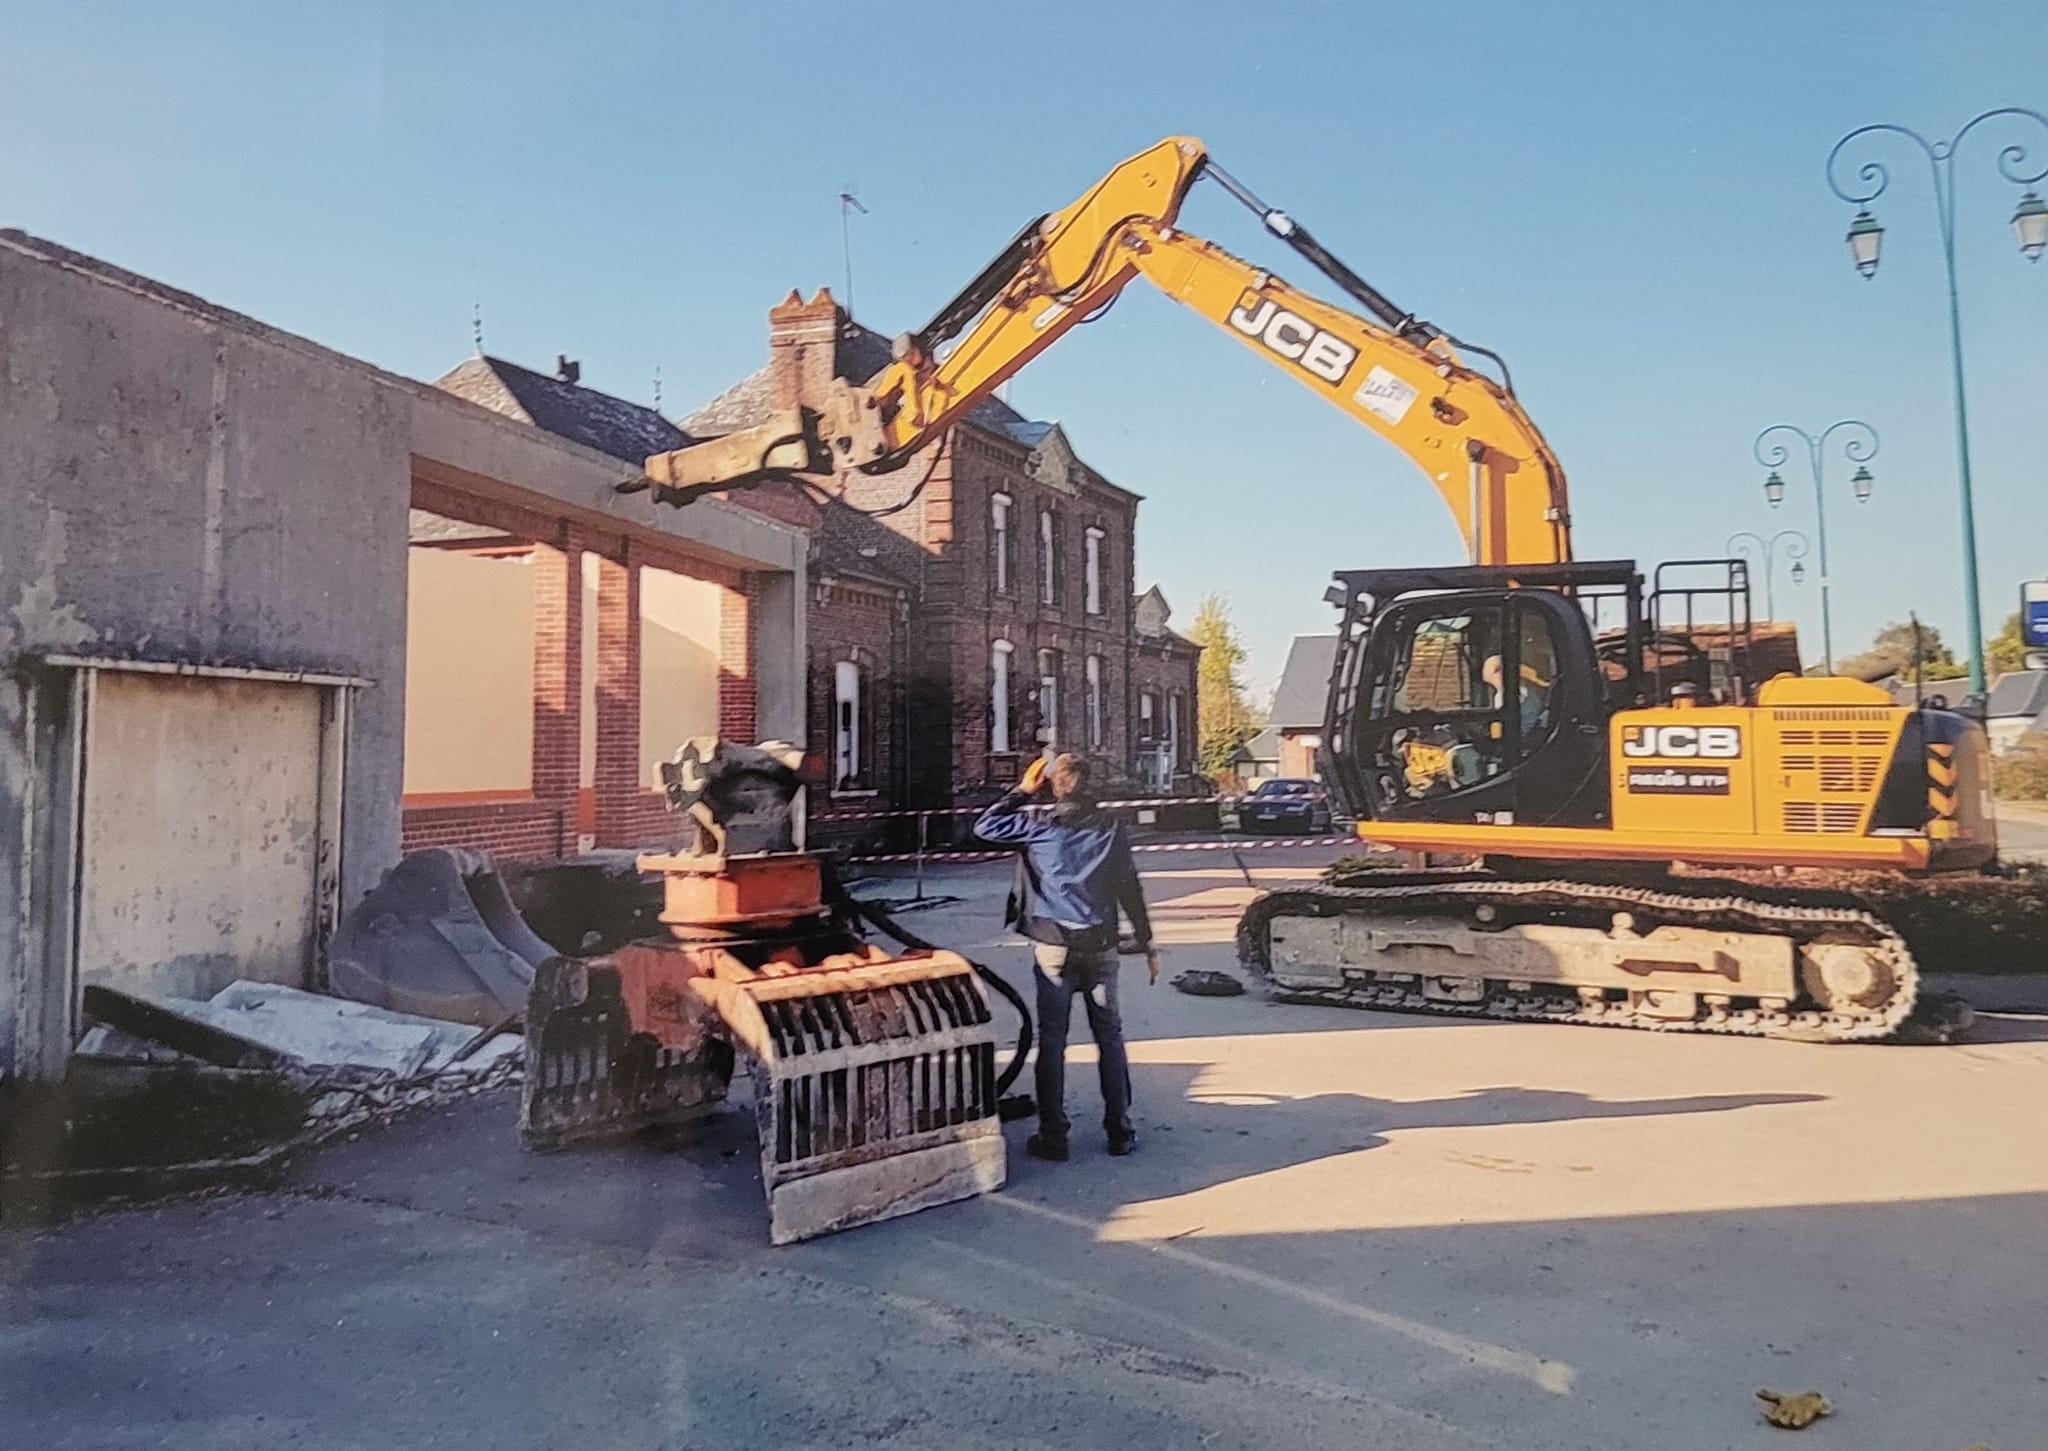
(1441, 712)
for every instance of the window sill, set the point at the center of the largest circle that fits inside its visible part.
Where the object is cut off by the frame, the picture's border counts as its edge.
(857, 793)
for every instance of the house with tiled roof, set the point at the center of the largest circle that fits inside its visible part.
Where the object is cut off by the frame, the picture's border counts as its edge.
(1298, 704)
(971, 607)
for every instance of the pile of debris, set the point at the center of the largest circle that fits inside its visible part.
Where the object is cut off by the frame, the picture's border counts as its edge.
(166, 1094)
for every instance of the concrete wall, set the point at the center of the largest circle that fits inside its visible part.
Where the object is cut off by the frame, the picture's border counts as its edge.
(180, 483)
(177, 487)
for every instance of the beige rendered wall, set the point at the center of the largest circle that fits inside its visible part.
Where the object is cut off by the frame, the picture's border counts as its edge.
(678, 664)
(468, 673)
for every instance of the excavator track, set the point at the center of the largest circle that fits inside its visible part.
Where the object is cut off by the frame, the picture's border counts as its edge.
(1463, 910)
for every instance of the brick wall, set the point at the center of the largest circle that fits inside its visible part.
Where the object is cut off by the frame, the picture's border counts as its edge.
(987, 464)
(615, 782)
(862, 623)
(736, 698)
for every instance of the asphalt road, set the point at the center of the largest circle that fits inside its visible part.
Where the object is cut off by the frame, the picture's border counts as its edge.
(2023, 831)
(1342, 1229)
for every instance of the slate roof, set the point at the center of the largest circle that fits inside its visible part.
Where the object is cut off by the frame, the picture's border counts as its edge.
(848, 542)
(1305, 683)
(631, 432)
(2018, 693)
(1265, 746)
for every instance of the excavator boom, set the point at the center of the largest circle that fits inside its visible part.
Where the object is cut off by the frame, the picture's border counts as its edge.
(1399, 377)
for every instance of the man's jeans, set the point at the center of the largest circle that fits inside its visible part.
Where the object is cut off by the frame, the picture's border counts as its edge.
(1063, 972)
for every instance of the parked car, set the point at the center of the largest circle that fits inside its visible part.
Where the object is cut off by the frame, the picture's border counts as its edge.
(1286, 804)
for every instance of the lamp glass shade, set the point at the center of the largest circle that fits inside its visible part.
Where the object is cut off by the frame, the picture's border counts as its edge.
(1863, 483)
(1774, 489)
(1865, 238)
(2030, 225)
(1798, 572)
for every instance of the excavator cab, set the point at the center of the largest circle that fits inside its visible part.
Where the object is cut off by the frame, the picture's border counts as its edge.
(1484, 693)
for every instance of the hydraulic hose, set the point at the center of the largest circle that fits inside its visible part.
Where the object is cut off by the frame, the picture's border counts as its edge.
(1015, 1106)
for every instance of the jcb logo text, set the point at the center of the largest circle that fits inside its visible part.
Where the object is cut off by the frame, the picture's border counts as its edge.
(1720, 743)
(1294, 338)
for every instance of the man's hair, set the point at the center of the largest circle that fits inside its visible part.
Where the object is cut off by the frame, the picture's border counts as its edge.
(1069, 777)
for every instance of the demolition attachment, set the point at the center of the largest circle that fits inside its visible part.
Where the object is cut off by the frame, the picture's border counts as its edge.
(874, 1074)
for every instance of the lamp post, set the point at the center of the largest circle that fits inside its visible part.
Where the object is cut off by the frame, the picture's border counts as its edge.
(1745, 545)
(1859, 450)
(2030, 229)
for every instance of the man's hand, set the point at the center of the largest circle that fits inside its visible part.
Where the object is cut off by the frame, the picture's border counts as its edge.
(1152, 966)
(1033, 777)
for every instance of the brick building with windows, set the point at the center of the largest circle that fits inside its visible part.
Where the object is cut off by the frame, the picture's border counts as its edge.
(972, 606)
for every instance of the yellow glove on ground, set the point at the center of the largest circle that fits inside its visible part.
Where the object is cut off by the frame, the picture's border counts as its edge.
(1794, 1412)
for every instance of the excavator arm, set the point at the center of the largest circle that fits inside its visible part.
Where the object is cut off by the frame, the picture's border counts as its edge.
(1396, 375)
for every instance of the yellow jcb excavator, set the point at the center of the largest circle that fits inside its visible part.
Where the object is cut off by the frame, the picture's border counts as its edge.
(1570, 730)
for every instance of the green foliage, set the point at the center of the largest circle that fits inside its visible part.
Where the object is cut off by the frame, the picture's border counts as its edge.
(2006, 651)
(1893, 651)
(2021, 774)
(1224, 717)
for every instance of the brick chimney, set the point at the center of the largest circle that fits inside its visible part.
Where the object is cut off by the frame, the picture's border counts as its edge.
(803, 348)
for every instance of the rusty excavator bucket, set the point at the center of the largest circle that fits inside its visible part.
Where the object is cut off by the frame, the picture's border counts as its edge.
(874, 1074)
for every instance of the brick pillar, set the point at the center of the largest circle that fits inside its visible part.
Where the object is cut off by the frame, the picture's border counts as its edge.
(558, 685)
(616, 781)
(737, 719)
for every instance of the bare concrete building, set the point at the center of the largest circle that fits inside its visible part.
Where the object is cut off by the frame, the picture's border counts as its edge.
(204, 556)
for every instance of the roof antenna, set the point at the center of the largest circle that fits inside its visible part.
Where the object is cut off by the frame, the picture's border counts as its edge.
(848, 205)
(476, 327)
(657, 387)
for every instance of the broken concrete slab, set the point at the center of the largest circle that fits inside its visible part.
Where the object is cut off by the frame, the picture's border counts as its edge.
(266, 1025)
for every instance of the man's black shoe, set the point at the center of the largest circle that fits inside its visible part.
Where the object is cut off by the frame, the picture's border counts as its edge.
(1038, 1146)
(1122, 1144)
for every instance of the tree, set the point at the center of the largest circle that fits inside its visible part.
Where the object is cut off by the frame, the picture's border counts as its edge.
(1892, 652)
(2006, 651)
(1224, 719)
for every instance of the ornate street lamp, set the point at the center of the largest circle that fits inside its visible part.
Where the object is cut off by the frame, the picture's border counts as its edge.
(2030, 227)
(1746, 545)
(1865, 237)
(1860, 447)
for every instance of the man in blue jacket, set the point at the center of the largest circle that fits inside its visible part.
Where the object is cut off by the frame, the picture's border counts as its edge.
(1076, 872)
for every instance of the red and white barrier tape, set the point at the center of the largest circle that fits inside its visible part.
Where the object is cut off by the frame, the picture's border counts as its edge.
(1262, 844)
(829, 817)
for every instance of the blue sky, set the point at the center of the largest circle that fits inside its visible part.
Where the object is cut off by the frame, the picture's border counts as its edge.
(1625, 199)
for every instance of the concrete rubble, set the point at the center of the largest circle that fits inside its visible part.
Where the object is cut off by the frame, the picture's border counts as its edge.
(357, 1064)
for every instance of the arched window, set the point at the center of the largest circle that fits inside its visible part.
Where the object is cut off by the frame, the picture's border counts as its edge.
(849, 761)
(999, 696)
(1094, 703)
(1048, 557)
(1049, 697)
(999, 547)
(1092, 565)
